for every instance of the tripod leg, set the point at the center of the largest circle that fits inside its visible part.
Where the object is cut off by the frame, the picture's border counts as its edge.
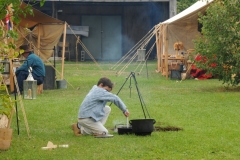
(130, 87)
(140, 98)
(147, 69)
(123, 85)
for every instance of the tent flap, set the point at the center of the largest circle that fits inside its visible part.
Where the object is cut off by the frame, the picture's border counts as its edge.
(49, 35)
(48, 29)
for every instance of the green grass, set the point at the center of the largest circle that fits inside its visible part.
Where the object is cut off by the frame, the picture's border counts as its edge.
(207, 112)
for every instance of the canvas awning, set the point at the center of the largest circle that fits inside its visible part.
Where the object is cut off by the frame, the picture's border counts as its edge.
(44, 34)
(39, 17)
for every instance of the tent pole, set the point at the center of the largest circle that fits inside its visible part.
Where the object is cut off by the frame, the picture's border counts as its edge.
(158, 32)
(63, 48)
(166, 50)
(9, 8)
(39, 38)
(161, 49)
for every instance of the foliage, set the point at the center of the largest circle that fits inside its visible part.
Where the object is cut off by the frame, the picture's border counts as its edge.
(220, 44)
(184, 4)
(7, 38)
(12, 7)
(5, 102)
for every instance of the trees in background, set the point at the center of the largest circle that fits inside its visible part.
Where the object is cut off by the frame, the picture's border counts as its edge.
(184, 4)
(9, 15)
(220, 43)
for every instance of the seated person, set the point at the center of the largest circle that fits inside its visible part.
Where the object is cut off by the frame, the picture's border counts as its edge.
(33, 61)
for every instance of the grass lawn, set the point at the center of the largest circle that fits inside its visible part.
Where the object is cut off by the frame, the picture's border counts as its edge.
(206, 111)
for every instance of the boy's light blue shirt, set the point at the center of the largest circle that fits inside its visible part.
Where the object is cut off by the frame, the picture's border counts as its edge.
(94, 102)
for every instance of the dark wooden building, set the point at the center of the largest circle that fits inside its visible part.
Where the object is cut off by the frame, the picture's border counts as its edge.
(114, 27)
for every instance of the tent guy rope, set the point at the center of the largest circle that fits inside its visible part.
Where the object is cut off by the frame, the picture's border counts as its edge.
(84, 47)
(133, 49)
(133, 53)
(48, 62)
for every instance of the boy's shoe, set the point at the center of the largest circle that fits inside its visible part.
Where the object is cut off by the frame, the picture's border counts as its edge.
(103, 136)
(76, 130)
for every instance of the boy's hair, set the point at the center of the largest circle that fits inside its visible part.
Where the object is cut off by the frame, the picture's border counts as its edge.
(106, 82)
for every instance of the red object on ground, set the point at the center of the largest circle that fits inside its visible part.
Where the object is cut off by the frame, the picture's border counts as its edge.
(200, 73)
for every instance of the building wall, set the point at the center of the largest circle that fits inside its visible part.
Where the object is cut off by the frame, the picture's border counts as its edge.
(137, 17)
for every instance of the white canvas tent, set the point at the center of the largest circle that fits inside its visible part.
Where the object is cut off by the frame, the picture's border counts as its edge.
(183, 27)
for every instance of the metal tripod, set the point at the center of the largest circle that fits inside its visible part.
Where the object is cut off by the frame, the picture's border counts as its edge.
(143, 105)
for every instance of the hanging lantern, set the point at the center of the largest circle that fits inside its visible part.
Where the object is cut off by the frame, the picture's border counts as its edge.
(6, 66)
(30, 87)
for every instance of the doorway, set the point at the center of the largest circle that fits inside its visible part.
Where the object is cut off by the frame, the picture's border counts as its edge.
(105, 37)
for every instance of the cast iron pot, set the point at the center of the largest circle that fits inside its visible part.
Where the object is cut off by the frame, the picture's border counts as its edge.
(142, 127)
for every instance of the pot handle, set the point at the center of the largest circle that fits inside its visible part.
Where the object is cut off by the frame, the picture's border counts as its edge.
(130, 122)
(154, 121)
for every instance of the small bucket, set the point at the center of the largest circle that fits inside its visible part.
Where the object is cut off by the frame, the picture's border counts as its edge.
(123, 129)
(5, 138)
(61, 84)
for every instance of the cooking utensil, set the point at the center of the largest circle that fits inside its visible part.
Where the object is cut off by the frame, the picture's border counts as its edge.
(142, 126)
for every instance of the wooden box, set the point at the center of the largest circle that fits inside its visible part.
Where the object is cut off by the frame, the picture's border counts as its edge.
(5, 138)
(175, 66)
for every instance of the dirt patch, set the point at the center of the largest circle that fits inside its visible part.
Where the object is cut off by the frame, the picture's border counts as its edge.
(167, 128)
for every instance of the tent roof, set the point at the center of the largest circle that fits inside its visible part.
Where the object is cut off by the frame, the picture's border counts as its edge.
(38, 17)
(195, 8)
(49, 32)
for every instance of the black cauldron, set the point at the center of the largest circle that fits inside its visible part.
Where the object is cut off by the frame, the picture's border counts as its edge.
(142, 127)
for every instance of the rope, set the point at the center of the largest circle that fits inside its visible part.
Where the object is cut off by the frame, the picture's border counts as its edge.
(147, 56)
(85, 48)
(129, 62)
(131, 51)
(21, 102)
(135, 47)
(44, 57)
(141, 44)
